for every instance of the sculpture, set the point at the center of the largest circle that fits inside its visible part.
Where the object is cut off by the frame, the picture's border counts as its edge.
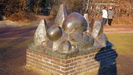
(70, 33)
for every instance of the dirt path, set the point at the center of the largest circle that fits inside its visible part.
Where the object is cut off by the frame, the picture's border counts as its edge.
(119, 29)
(13, 60)
(26, 31)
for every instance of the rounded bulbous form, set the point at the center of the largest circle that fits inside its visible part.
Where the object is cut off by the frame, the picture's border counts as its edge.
(54, 33)
(74, 21)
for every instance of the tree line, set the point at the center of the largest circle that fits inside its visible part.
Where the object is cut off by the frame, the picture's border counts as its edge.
(50, 7)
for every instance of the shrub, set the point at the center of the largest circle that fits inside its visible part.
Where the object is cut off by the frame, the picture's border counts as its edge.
(22, 17)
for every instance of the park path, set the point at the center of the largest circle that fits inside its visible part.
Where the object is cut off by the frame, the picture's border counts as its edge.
(118, 29)
(17, 32)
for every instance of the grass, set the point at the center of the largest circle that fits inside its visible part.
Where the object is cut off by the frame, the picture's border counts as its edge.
(123, 42)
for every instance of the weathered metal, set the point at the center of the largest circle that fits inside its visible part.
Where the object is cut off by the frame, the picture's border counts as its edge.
(70, 33)
(40, 34)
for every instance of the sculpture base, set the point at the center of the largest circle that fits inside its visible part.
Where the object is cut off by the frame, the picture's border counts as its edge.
(73, 66)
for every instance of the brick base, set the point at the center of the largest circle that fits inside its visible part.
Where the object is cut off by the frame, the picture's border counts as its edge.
(73, 66)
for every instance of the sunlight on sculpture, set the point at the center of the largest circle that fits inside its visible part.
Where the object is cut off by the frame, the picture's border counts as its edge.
(70, 33)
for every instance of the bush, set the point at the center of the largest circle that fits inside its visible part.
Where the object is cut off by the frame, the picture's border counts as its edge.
(22, 17)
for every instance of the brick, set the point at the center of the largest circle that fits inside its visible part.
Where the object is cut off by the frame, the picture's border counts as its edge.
(39, 57)
(80, 68)
(56, 73)
(63, 69)
(73, 63)
(52, 69)
(35, 59)
(49, 57)
(85, 63)
(62, 73)
(55, 66)
(28, 62)
(29, 57)
(60, 64)
(66, 69)
(32, 61)
(91, 55)
(66, 61)
(91, 61)
(56, 59)
(67, 65)
(36, 53)
(76, 66)
(33, 55)
(49, 64)
(41, 62)
(45, 60)
(86, 56)
(28, 51)
(69, 61)
(78, 58)
(54, 62)
(40, 66)
(63, 61)
(72, 71)
(46, 67)
(72, 66)
(88, 59)
(80, 61)
(76, 73)
(43, 55)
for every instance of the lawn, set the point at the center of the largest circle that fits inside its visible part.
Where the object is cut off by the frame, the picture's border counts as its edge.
(123, 42)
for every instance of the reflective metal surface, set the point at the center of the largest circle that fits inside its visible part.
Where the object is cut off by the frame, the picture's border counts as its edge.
(54, 33)
(65, 47)
(58, 42)
(74, 21)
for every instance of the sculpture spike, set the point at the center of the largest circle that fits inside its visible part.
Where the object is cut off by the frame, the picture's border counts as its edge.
(40, 34)
(62, 13)
(96, 28)
(87, 19)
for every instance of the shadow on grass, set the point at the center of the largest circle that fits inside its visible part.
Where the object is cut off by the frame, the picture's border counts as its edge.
(107, 58)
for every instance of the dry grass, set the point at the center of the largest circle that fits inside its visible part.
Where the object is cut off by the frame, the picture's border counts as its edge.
(124, 20)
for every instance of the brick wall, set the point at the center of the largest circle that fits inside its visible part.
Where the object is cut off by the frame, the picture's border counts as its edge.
(73, 66)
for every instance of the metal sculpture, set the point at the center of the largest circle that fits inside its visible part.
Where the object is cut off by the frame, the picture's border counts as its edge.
(70, 33)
